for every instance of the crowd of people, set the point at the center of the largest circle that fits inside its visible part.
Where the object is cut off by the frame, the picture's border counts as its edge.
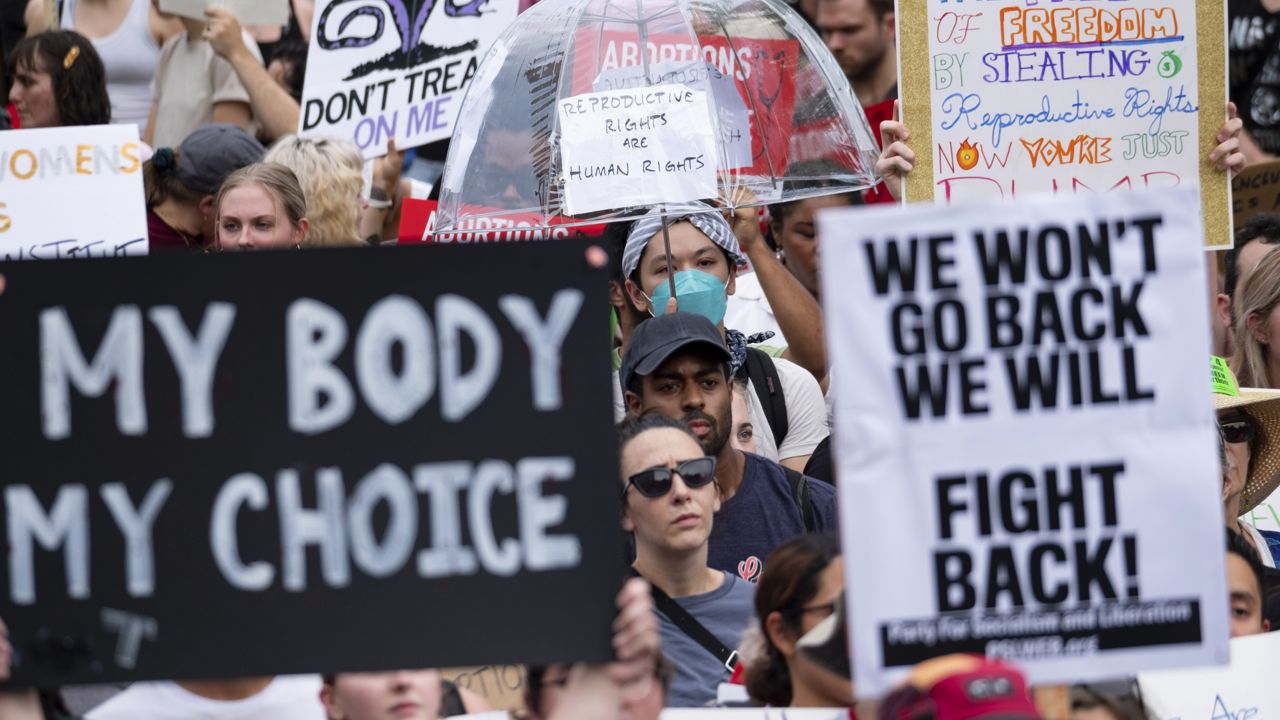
(721, 392)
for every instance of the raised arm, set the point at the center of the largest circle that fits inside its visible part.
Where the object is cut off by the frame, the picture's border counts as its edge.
(271, 104)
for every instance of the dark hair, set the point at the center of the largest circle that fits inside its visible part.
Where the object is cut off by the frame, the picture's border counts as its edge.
(160, 180)
(1123, 699)
(1238, 545)
(294, 54)
(788, 583)
(76, 71)
(1263, 228)
(880, 7)
(780, 212)
(614, 241)
(632, 427)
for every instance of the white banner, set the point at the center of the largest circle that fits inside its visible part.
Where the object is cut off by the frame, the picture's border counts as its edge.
(395, 69)
(1244, 690)
(248, 12)
(1021, 385)
(71, 192)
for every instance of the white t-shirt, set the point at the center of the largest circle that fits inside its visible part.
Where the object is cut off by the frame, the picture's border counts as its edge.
(806, 413)
(288, 697)
(749, 311)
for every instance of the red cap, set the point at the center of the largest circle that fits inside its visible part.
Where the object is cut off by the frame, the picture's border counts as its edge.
(961, 687)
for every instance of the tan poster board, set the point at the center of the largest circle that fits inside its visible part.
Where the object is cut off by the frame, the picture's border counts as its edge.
(1007, 99)
(1256, 190)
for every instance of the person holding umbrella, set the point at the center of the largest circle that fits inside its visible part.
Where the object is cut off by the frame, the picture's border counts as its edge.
(704, 257)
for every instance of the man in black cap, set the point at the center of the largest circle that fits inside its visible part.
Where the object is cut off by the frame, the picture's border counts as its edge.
(677, 365)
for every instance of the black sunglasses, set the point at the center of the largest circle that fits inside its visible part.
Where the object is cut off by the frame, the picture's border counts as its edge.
(1238, 428)
(656, 482)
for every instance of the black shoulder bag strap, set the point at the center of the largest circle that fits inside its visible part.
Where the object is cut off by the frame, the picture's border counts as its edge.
(690, 626)
(800, 493)
(763, 374)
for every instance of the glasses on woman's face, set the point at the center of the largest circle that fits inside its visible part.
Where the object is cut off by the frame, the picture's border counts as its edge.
(1238, 427)
(825, 609)
(656, 482)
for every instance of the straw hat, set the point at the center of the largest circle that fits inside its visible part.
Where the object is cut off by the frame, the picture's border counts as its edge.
(1264, 456)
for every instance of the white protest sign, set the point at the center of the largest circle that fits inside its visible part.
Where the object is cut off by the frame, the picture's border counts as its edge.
(396, 69)
(1022, 384)
(94, 172)
(731, 109)
(1243, 690)
(248, 12)
(641, 146)
(1266, 515)
(759, 713)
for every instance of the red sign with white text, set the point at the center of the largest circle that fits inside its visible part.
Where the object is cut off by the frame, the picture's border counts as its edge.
(418, 226)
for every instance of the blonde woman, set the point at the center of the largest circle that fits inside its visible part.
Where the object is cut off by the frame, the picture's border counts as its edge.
(1256, 362)
(261, 207)
(330, 174)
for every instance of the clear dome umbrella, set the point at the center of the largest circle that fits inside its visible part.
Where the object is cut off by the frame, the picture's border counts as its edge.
(592, 111)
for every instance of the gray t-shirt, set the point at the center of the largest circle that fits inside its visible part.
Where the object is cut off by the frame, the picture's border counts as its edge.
(726, 612)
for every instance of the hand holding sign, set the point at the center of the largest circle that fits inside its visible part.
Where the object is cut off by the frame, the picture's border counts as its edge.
(1227, 155)
(223, 32)
(896, 158)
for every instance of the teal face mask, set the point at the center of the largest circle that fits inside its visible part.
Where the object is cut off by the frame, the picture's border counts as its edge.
(696, 292)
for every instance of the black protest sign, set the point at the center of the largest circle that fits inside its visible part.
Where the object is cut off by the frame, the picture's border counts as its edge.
(1032, 378)
(287, 462)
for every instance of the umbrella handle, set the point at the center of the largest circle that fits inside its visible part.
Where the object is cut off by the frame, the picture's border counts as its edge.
(666, 248)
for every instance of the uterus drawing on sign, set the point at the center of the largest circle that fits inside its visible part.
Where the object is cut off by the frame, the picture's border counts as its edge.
(408, 19)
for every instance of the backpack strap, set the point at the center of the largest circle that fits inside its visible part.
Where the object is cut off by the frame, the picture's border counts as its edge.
(690, 626)
(763, 374)
(800, 493)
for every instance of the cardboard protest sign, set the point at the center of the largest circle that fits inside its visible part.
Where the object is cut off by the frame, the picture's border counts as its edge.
(341, 460)
(1008, 99)
(1243, 690)
(98, 169)
(1256, 189)
(502, 686)
(248, 12)
(622, 148)
(1026, 381)
(395, 69)
(418, 226)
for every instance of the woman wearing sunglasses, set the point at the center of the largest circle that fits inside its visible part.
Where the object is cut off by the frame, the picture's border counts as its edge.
(1249, 428)
(802, 582)
(669, 497)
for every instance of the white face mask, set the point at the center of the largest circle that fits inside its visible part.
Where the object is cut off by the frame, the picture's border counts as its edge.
(827, 643)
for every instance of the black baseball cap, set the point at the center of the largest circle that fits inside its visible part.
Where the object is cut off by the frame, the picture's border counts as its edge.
(658, 338)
